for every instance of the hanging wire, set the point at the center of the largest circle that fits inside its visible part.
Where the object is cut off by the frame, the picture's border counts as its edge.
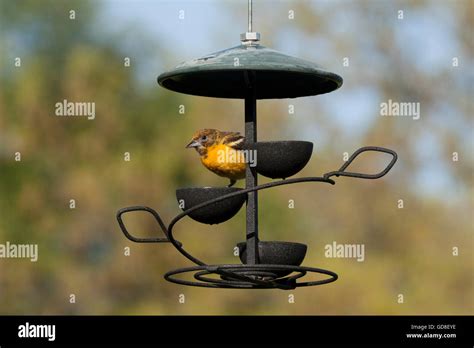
(250, 16)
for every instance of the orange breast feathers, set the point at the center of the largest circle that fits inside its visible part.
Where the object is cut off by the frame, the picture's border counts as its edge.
(225, 161)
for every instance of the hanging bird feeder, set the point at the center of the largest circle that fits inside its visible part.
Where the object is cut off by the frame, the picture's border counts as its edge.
(251, 71)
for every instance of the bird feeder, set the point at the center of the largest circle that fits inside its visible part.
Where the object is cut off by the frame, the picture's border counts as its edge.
(250, 72)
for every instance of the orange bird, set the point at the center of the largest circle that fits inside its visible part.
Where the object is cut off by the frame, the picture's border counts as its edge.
(221, 152)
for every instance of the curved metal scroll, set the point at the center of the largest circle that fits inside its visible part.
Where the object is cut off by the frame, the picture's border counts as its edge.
(226, 271)
(139, 239)
(342, 171)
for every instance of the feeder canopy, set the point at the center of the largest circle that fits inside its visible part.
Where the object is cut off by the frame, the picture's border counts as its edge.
(230, 74)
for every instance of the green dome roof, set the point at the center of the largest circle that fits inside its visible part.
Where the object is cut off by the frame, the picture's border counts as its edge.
(226, 74)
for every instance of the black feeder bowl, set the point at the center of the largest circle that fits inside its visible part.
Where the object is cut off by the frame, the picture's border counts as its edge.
(282, 159)
(276, 253)
(214, 213)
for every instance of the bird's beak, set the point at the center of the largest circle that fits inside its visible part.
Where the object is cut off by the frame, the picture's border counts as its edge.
(193, 143)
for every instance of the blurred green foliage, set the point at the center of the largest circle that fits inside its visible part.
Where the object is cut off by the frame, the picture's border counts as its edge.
(81, 251)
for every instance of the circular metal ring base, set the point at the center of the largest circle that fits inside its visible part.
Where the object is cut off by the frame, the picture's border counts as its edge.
(260, 276)
(265, 275)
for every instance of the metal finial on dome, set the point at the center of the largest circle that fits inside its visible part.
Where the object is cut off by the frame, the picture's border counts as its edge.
(250, 37)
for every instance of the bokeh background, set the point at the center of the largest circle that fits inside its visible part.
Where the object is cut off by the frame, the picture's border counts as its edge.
(409, 251)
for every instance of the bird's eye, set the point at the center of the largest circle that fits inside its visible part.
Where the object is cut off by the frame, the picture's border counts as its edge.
(204, 138)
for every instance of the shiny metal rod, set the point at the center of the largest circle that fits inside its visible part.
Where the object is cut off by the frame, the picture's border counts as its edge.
(250, 16)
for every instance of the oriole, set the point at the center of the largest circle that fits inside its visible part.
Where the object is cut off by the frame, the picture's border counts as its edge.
(221, 152)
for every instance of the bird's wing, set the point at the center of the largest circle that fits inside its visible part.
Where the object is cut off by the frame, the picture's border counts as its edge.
(233, 140)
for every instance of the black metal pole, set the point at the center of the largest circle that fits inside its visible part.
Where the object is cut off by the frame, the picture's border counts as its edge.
(251, 176)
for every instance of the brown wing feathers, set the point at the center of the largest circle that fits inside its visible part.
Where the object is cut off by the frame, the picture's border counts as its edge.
(232, 139)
